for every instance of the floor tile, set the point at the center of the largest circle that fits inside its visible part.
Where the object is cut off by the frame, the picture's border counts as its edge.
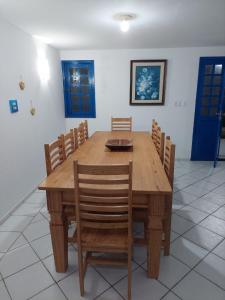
(39, 217)
(43, 246)
(203, 237)
(220, 213)
(214, 224)
(37, 198)
(4, 295)
(218, 178)
(212, 267)
(192, 214)
(181, 198)
(51, 293)
(184, 181)
(17, 259)
(33, 279)
(205, 206)
(94, 285)
(173, 236)
(220, 250)
(110, 294)
(113, 274)
(180, 225)
(27, 209)
(194, 286)
(139, 254)
(220, 190)
(142, 285)
(187, 252)
(171, 270)
(215, 198)
(21, 241)
(15, 223)
(200, 188)
(36, 230)
(7, 239)
(72, 265)
(170, 296)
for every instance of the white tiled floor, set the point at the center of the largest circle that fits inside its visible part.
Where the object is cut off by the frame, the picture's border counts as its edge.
(195, 270)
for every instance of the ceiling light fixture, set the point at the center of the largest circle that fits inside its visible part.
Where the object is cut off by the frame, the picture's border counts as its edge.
(124, 20)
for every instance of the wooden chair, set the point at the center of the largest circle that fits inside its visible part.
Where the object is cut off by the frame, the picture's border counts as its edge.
(53, 155)
(85, 123)
(80, 134)
(121, 124)
(103, 196)
(159, 143)
(169, 161)
(154, 129)
(140, 215)
(67, 143)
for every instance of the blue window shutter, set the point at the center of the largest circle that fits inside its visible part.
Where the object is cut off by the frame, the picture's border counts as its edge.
(79, 88)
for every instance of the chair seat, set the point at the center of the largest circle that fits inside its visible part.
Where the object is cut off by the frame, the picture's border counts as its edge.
(104, 239)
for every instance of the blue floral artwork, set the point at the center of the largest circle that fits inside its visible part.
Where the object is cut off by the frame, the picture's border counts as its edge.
(147, 83)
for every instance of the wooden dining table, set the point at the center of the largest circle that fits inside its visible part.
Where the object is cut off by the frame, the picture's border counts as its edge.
(150, 190)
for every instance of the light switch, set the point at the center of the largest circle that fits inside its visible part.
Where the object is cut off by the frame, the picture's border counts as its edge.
(13, 106)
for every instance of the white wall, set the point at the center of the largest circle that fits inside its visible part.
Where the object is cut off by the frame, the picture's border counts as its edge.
(112, 81)
(22, 135)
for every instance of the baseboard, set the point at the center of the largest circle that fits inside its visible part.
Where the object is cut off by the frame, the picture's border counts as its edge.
(5, 217)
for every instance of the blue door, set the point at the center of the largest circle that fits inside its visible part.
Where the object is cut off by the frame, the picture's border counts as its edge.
(79, 88)
(208, 109)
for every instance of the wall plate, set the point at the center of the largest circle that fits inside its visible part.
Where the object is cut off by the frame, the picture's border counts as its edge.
(13, 106)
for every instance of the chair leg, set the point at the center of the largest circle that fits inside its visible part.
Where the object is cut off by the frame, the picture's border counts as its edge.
(146, 230)
(81, 271)
(129, 273)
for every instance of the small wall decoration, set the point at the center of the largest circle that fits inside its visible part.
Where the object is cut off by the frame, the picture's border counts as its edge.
(13, 106)
(22, 85)
(32, 109)
(147, 82)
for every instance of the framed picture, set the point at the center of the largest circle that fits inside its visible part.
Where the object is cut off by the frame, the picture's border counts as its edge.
(147, 82)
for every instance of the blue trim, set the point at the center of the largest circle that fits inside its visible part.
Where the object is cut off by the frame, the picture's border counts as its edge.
(69, 113)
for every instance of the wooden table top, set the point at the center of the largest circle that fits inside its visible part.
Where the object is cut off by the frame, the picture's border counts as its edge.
(149, 176)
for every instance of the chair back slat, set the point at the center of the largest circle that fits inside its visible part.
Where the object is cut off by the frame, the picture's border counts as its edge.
(53, 155)
(103, 203)
(85, 123)
(80, 134)
(154, 131)
(159, 143)
(169, 159)
(121, 124)
(67, 143)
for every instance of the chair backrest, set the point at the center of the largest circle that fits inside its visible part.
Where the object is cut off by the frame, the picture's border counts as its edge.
(160, 140)
(67, 143)
(85, 123)
(53, 155)
(103, 195)
(121, 124)
(75, 134)
(80, 134)
(169, 159)
(154, 130)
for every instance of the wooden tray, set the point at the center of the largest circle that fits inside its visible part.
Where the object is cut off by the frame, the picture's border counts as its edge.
(119, 145)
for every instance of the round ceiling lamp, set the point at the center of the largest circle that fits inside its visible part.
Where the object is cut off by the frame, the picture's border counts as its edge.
(124, 20)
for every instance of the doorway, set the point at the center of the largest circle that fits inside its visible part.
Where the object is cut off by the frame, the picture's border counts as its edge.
(209, 109)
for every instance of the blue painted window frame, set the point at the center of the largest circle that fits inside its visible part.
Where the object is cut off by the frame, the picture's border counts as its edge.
(66, 65)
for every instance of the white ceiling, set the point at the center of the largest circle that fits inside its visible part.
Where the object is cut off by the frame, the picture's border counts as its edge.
(89, 24)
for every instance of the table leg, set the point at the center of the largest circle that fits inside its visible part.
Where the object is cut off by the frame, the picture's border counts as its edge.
(155, 230)
(167, 225)
(59, 230)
